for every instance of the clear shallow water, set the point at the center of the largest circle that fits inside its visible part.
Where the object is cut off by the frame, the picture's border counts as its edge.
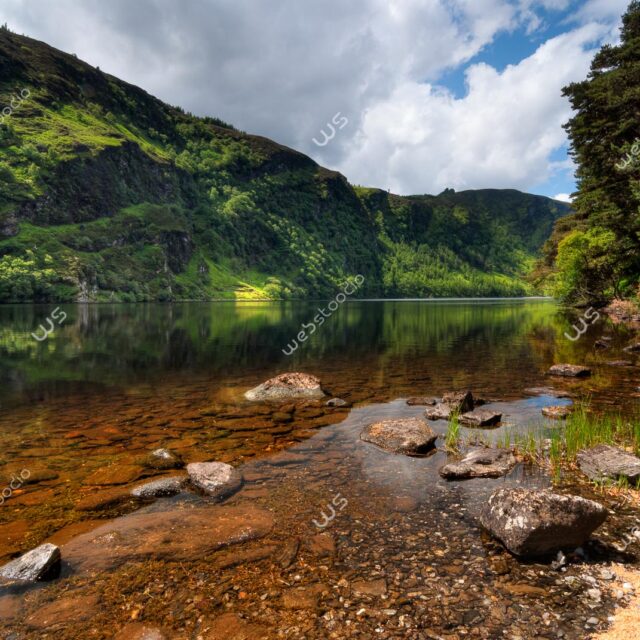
(82, 409)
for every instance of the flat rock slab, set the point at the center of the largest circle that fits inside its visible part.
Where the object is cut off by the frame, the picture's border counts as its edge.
(409, 436)
(605, 462)
(336, 402)
(546, 391)
(216, 479)
(480, 463)
(160, 488)
(619, 363)
(569, 371)
(557, 412)
(287, 386)
(422, 401)
(481, 418)
(229, 626)
(184, 534)
(534, 523)
(66, 610)
(33, 565)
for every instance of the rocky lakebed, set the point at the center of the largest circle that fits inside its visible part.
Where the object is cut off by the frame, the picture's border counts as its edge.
(367, 524)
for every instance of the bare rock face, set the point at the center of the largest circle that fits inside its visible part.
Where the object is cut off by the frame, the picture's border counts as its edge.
(410, 436)
(480, 463)
(216, 479)
(533, 523)
(481, 418)
(605, 462)
(287, 386)
(569, 371)
(159, 488)
(557, 412)
(33, 565)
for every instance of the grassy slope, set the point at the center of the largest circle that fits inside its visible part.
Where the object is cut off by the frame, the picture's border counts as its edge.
(106, 193)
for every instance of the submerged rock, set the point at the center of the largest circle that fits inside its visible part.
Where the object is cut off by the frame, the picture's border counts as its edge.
(534, 523)
(140, 631)
(163, 459)
(620, 363)
(409, 436)
(605, 462)
(635, 346)
(180, 534)
(287, 386)
(33, 565)
(557, 412)
(569, 371)
(336, 402)
(421, 401)
(159, 488)
(603, 343)
(480, 418)
(216, 479)
(480, 463)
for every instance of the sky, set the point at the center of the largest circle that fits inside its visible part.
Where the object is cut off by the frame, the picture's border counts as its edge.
(422, 95)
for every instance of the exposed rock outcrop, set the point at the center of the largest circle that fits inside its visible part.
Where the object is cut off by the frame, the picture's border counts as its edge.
(216, 479)
(287, 386)
(534, 523)
(34, 565)
(480, 463)
(409, 436)
(481, 418)
(604, 462)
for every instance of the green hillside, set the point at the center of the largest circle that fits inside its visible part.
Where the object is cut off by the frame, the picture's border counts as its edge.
(106, 193)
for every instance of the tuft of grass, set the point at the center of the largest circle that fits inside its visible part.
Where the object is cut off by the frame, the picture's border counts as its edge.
(452, 439)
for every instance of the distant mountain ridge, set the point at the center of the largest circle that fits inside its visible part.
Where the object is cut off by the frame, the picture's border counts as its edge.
(107, 193)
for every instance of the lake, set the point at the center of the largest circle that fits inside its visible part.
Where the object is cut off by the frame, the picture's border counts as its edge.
(403, 554)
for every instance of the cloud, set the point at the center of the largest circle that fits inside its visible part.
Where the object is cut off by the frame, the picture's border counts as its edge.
(501, 134)
(284, 69)
(563, 197)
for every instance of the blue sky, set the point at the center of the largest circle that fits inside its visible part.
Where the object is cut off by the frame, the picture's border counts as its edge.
(436, 93)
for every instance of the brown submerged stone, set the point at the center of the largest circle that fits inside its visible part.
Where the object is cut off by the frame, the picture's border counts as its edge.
(229, 626)
(287, 386)
(181, 534)
(67, 610)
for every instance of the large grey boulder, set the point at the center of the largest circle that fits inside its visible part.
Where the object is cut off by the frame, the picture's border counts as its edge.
(33, 565)
(217, 479)
(409, 436)
(569, 371)
(160, 488)
(484, 462)
(604, 462)
(533, 523)
(287, 386)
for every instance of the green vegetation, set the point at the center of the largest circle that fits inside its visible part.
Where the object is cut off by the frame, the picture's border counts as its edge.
(452, 437)
(594, 255)
(108, 194)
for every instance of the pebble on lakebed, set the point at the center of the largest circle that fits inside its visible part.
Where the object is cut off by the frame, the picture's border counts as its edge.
(287, 386)
(532, 523)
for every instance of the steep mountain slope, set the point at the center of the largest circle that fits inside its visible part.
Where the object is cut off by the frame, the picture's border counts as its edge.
(106, 193)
